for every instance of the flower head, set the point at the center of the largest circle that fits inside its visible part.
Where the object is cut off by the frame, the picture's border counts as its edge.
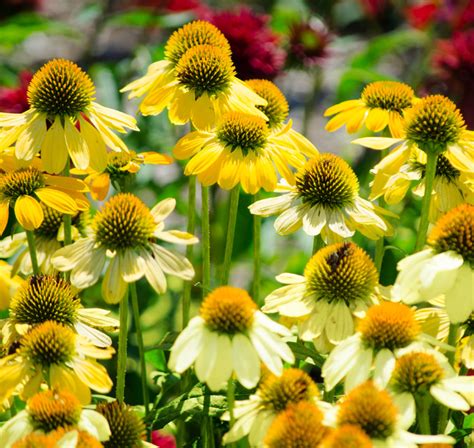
(382, 104)
(325, 201)
(230, 336)
(125, 234)
(64, 121)
(347, 436)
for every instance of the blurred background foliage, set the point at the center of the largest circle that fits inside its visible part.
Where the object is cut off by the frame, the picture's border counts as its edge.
(319, 52)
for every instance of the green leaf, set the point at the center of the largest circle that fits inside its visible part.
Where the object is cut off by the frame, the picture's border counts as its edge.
(165, 343)
(157, 359)
(302, 352)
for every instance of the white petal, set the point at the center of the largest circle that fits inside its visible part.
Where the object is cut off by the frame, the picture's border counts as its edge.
(460, 298)
(340, 324)
(222, 371)
(406, 409)
(271, 206)
(95, 424)
(361, 370)
(172, 263)
(449, 398)
(384, 364)
(245, 360)
(314, 220)
(187, 346)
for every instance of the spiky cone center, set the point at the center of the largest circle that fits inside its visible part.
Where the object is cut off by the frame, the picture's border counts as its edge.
(277, 108)
(127, 429)
(50, 410)
(347, 436)
(49, 343)
(388, 95)
(21, 182)
(117, 161)
(455, 231)
(434, 123)
(341, 272)
(299, 426)
(86, 440)
(191, 35)
(292, 386)
(328, 181)
(228, 310)
(416, 372)
(205, 69)
(389, 325)
(444, 169)
(370, 409)
(38, 440)
(124, 222)
(244, 131)
(42, 298)
(60, 88)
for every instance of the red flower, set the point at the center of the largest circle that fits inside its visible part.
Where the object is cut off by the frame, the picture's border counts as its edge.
(167, 5)
(255, 48)
(163, 440)
(421, 16)
(14, 99)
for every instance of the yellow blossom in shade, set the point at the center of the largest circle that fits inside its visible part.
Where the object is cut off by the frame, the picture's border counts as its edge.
(8, 284)
(445, 267)
(120, 171)
(338, 286)
(54, 351)
(434, 125)
(325, 201)
(44, 298)
(124, 235)
(54, 412)
(382, 104)
(24, 189)
(63, 121)
(299, 426)
(274, 394)
(451, 187)
(230, 336)
(196, 81)
(240, 149)
(347, 436)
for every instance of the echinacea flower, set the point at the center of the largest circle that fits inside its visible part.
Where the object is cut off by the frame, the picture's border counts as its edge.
(8, 284)
(383, 418)
(230, 336)
(444, 268)
(347, 436)
(51, 410)
(126, 427)
(240, 149)
(125, 234)
(325, 201)
(338, 286)
(24, 189)
(44, 298)
(120, 171)
(381, 104)
(49, 237)
(299, 425)
(54, 351)
(57, 439)
(436, 126)
(196, 81)
(274, 394)
(63, 121)
(372, 351)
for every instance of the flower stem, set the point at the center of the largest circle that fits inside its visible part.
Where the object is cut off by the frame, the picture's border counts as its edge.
(233, 208)
(257, 228)
(141, 350)
(318, 243)
(122, 349)
(430, 173)
(230, 404)
(379, 253)
(206, 242)
(30, 236)
(423, 416)
(189, 248)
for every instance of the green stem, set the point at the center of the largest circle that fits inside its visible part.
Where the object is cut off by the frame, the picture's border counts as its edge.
(328, 396)
(141, 350)
(230, 404)
(122, 349)
(30, 236)
(207, 427)
(233, 208)
(379, 253)
(206, 242)
(423, 416)
(430, 173)
(257, 228)
(189, 249)
(318, 243)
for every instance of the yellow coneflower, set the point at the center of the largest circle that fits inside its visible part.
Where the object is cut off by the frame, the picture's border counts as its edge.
(64, 121)
(125, 233)
(445, 267)
(8, 284)
(382, 104)
(229, 336)
(240, 149)
(325, 201)
(52, 410)
(274, 394)
(54, 353)
(347, 436)
(120, 171)
(196, 81)
(338, 286)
